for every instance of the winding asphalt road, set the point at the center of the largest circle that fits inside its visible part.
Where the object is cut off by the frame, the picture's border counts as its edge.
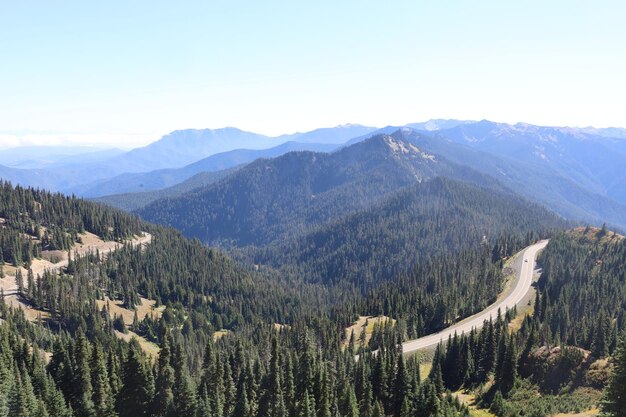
(514, 296)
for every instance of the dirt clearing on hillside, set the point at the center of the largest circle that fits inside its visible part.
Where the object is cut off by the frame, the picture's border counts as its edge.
(364, 324)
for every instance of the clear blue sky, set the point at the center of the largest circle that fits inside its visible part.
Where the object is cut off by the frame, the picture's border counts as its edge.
(129, 71)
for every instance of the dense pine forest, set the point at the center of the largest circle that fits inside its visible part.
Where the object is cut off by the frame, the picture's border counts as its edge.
(73, 362)
(231, 340)
(436, 218)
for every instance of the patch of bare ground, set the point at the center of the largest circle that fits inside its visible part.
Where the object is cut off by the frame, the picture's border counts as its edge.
(364, 324)
(148, 347)
(522, 312)
(596, 234)
(469, 399)
(32, 314)
(146, 308)
(9, 270)
(278, 327)
(55, 260)
(425, 368)
(53, 256)
(46, 356)
(220, 333)
(598, 373)
(91, 243)
(590, 413)
(8, 284)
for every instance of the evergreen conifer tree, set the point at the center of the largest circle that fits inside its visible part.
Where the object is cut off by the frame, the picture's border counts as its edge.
(349, 406)
(135, 395)
(82, 399)
(614, 402)
(163, 402)
(102, 398)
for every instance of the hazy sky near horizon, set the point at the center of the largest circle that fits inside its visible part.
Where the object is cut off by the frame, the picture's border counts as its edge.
(127, 72)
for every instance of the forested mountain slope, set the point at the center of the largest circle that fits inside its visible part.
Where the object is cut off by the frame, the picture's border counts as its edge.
(583, 289)
(278, 351)
(423, 221)
(270, 199)
(52, 222)
(388, 219)
(170, 269)
(89, 370)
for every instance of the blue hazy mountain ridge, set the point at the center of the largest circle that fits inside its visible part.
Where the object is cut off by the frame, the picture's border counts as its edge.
(572, 186)
(577, 172)
(428, 127)
(159, 179)
(437, 124)
(609, 132)
(330, 135)
(174, 150)
(536, 182)
(33, 157)
(183, 147)
(137, 200)
(592, 161)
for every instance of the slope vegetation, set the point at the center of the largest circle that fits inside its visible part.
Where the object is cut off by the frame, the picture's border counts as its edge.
(270, 199)
(435, 218)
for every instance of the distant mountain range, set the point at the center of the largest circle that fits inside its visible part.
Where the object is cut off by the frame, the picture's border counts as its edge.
(272, 199)
(158, 179)
(36, 157)
(138, 200)
(175, 150)
(592, 161)
(560, 187)
(577, 172)
(329, 135)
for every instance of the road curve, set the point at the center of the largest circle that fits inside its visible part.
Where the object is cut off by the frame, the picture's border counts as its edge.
(514, 297)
